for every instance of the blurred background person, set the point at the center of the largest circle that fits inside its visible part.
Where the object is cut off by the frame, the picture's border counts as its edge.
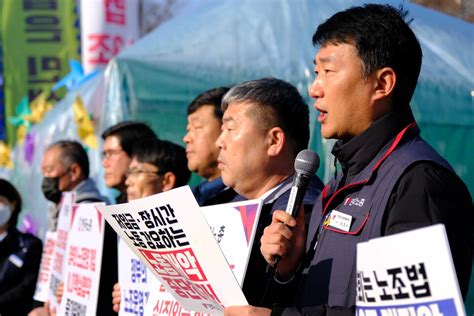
(157, 166)
(119, 140)
(203, 129)
(20, 256)
(65, 167)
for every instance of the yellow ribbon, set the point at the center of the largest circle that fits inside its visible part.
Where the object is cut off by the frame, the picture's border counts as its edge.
(85, 128)
(39, 107)
(5, 160)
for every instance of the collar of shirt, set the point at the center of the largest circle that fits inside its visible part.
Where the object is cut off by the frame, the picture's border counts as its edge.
(357, 152)
(273, 194)
(3, 235)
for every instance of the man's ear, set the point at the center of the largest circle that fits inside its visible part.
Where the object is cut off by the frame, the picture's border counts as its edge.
(384, 84)
(169, 181)
(276, 140)
(75, 171)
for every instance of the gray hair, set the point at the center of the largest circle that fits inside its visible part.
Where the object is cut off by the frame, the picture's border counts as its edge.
(275, 103)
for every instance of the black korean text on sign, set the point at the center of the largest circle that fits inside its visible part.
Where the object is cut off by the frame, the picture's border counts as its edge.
(126, 221)
(364, 287)
(162, 232)
(419, 280)
(396, 283)
(158, 217)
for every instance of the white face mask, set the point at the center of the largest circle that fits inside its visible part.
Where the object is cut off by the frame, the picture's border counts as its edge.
(5, 213)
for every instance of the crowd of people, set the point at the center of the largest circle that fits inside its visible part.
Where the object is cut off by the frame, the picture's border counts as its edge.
(243, 140)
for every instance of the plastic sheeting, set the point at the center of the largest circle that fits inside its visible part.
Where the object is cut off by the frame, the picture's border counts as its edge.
(58, 124)
(226, 42)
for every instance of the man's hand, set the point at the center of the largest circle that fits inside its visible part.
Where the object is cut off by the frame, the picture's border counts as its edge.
(116, 299)
(60, 292)
(246, 310)
(39, 311)
(285, 237)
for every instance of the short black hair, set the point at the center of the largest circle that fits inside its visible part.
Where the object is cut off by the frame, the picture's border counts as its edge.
(73, 152)
(211, 97)
(129, 132)
(8, 191)
(275, 103)
(383, 38)
(166, 156)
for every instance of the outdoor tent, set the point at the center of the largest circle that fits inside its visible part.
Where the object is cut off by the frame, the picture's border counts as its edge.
(226, 42)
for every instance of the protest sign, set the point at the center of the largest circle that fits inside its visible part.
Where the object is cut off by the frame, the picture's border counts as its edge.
(135, 280)
(168, 232)
(83, 261)
(410, 273)
(64, 224)
(162, 303)
(44, 275)
(233, 226)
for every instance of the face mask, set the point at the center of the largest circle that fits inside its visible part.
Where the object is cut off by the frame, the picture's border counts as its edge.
(5, 213)
(50, 187)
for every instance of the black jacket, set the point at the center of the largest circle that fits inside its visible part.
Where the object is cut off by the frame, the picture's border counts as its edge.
(425, 194)
(20, 257)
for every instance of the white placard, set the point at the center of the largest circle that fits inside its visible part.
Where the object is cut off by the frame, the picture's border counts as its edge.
(136, 281)
(44, 275)
(410, 273)
(234, 226)
(170, 234)
(83, 261)
(162, 303)
(62, 230)
(106, 27)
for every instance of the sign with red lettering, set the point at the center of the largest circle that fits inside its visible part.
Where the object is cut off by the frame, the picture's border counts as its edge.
(44, 275)
(83, 261)
(168, 232)
(161, 302)
(234, 226)
(106, 27)
(62, 234)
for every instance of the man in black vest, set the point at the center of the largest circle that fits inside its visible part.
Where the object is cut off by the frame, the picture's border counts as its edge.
(366, 72)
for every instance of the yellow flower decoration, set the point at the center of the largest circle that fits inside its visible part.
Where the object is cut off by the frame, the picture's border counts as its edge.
(85, 128)
(21, 132)
(39, 107)
(5, 160)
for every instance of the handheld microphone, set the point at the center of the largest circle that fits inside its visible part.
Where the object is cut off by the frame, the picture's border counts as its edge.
(306, 164)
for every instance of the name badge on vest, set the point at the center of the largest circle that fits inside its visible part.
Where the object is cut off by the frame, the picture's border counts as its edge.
(17, 261)
(339, 220)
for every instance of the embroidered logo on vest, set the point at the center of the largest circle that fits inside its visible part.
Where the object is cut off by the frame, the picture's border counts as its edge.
(354, 201)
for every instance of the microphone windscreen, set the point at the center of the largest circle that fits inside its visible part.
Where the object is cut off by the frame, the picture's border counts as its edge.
(307, 162)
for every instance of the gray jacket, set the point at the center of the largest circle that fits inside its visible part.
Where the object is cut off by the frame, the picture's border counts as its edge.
(86, 192)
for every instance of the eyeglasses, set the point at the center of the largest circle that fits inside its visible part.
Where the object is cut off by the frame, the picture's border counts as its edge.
(136, 172)
(107, 154)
